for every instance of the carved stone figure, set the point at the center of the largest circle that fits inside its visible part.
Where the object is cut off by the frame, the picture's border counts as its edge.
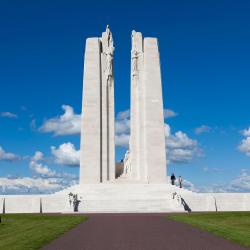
(134, 56)
(109, 63)
(76, 202)
(127, 164)
(73, 198)
(133, 40)
(109, 55)
(109, 36)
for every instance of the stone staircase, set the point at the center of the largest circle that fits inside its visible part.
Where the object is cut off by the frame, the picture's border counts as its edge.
(125, 198)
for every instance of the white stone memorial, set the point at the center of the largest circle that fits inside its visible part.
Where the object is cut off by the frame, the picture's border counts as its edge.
(97, 162)
(147, 143)
(143, 185)
(147, 139)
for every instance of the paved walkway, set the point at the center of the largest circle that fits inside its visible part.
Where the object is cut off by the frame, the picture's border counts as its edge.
(137, 232)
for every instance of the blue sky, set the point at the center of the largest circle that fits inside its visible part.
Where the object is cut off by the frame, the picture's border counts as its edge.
(204, 49)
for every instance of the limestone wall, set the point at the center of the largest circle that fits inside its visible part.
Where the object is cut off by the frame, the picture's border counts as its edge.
(31, 203)
(126, 198)
(223, 201)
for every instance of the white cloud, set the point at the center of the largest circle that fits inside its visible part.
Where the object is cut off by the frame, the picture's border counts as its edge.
(123, 115)
(244, 146)
(44, 179)
(246, 132)
(202, 129)
(179, 155)
(122, 126)
(122, 140)
(189, 185)
(179, 147)
(66, 154)
(6, 156)
(35, 185)
(180, 140)
(122, 123)
(8, 115)
(168, 113)
(25, 184)
(212, 170)
(38, 156)
(122, 129)
(67, 124)
(167, 130)
(239, 184)
(39, 168)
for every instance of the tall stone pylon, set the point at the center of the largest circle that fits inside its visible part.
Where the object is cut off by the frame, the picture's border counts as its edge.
(97, 153)
(136, 109)
(147, 138)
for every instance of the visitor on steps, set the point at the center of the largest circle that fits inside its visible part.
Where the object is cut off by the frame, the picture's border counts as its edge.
(172, 179)
(180, 181)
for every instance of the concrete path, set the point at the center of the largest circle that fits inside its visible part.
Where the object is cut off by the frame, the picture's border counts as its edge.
(137, 232)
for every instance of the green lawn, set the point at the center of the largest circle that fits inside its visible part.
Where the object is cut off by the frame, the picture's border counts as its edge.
(32, 231)
(234, 226)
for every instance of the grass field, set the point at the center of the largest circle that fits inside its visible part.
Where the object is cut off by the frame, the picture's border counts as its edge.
(234, 226)
(32, 231)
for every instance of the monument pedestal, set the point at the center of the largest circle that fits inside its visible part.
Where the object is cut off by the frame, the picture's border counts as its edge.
(119, 197)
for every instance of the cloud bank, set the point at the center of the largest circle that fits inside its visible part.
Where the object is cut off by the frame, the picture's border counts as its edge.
(67, 124)
(202, 129)
(9, 115)
(179, 147)
(39, 168)
(244, 146)
(66, 154)
(7, 156)
(168, 113)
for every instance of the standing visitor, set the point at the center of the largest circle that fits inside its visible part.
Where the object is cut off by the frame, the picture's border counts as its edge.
(172, 179)
(180, 181)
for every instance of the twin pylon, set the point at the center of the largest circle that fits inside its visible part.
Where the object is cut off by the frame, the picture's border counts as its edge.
(145, 160)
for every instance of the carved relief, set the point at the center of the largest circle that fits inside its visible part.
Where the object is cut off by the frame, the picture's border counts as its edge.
(134, 56)
(109, 52)
(127, 164)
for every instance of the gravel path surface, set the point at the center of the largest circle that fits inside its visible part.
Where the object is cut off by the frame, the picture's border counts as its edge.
(137, 232)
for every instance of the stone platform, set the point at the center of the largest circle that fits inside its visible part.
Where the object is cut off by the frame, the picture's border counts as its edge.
(100, 198)
(123, 197)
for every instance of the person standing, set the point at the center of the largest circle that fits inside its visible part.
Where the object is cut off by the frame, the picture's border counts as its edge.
(180, 181)
(172, 179)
